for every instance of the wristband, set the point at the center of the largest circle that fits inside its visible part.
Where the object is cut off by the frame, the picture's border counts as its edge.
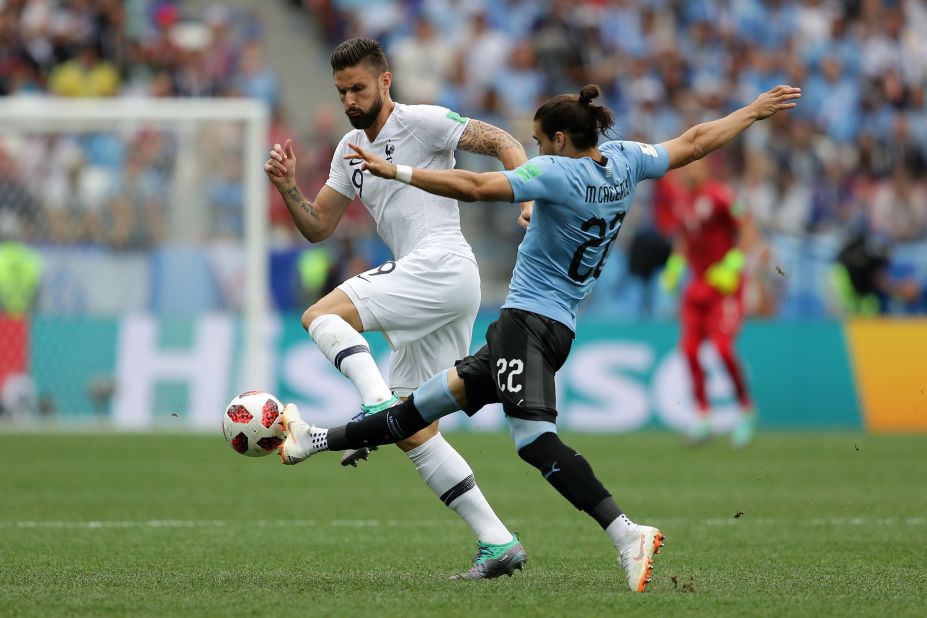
(404, 174)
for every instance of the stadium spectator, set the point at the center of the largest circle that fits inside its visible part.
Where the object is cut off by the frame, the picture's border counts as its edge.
(424, 61)
(17, 204)
(135, 215)
(224, 51)
(20, 272)
(556, 47)
(255, 80)
(519, 84)
(898, 209)
(864, 283)
(482, 47)
(86, 75)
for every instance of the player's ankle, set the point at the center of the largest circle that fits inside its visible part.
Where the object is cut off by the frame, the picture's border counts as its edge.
(620, 530)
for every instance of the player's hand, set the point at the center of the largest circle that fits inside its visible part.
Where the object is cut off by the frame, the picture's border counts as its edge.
(375, 165)
(779, 98)
(672, 273)
(524, 217)
(669, 281)
(280, 166)
(724, 275)
(722, 279)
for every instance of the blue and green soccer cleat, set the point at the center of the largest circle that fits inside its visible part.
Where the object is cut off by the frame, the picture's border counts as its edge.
(700, 432)
(495, 560)
(744, 429)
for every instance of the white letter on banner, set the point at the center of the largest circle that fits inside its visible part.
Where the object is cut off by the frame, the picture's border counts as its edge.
(619, 401)
(205, 366)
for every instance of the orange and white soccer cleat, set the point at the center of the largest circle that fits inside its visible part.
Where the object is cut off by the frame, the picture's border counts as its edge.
(635, 555)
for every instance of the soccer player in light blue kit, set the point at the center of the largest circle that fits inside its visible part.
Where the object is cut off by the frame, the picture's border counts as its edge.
(582, 192)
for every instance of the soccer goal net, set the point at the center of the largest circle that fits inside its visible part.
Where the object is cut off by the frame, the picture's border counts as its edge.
(133, 258)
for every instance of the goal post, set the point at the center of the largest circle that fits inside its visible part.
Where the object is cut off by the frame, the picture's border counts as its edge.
(119, 188)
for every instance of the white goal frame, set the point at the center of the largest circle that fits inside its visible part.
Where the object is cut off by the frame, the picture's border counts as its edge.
(45, 114)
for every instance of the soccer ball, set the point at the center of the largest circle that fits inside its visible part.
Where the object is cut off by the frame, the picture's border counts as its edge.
(252, 424)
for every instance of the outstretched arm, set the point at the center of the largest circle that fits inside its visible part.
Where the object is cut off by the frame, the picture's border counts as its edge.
(709, 136)
(458, 184)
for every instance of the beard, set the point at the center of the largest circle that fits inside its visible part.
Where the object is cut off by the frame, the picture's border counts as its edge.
(366, 119)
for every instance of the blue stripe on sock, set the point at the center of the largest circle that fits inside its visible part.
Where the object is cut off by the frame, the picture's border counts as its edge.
(447, 390)
(525, 432)
(433, 398)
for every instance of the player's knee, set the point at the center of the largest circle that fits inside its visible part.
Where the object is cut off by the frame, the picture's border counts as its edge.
(419, 438)
(314, 312)
(690, 349)
(309, 315)
(524, 432)
(723, 346)
(543, 452)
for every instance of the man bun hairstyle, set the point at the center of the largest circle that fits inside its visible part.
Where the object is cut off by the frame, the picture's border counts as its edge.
(576, 116)
(587, 93)
(359, 50)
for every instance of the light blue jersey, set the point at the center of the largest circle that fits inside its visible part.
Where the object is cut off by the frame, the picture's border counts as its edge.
(579, 205)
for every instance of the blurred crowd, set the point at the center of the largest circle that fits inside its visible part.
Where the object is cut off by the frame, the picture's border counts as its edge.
(87, 48)
(833, 192)
(847, 163)
(854, 149)
(110, 188)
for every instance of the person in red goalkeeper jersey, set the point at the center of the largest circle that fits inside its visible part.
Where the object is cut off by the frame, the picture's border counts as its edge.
(712, 303)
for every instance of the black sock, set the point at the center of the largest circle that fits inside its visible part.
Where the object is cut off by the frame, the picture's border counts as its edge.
(570, 474)
(386, 427)
(606, 512)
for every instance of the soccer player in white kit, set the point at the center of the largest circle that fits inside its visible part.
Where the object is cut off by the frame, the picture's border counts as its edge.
(425, 300)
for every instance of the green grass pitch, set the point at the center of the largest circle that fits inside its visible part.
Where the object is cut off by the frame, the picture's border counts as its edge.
(137, 525)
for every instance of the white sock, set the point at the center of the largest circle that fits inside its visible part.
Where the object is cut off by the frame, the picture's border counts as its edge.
(347, 350)
(618, 530)
(449, 476)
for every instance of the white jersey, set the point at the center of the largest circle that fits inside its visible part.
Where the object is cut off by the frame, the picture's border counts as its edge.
(407, 218)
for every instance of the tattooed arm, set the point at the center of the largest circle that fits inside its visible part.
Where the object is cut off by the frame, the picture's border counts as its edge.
(483, 138)
(315, 220)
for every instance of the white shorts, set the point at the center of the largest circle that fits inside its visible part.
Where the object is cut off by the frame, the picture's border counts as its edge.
(424, 304)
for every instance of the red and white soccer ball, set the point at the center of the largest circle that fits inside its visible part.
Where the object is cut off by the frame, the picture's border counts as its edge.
(252, 424)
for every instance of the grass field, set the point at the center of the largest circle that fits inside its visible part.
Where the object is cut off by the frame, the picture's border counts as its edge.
(832, 524)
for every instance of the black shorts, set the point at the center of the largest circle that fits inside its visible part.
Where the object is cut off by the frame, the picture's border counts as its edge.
(523, 351)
